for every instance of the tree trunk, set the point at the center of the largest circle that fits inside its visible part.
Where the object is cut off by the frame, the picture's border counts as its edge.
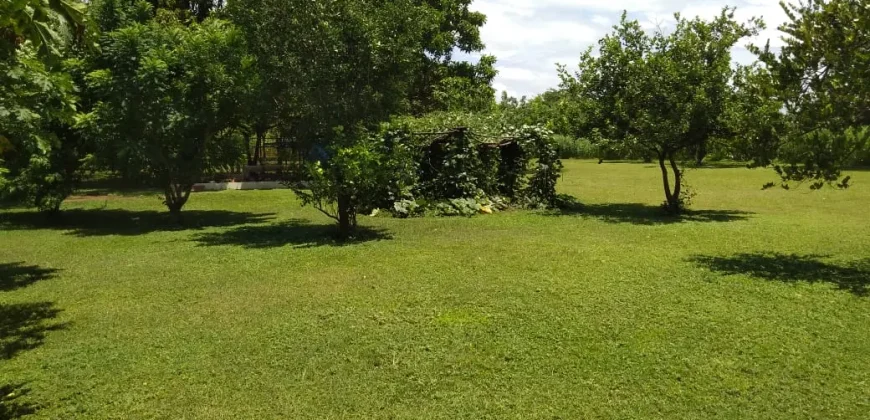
(672, 197)
(676, 204)
(176, 197)
(258, 148)
(346, 217)
(701, 153)
(248, 149)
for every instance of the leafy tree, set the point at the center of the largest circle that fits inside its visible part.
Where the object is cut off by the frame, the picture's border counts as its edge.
(442, 84)
(335, 70)
(553, 109)
(165, 96)
(662, 94)
(37, 149)
(39, 152)
(820, 76)
(754, 116)
(46, 24)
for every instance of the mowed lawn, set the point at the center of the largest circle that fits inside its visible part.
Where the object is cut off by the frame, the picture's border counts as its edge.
(756, 306)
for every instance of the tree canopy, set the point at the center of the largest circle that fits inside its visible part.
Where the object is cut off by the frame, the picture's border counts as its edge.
(820, 77)
(660, 93)
(165, 93)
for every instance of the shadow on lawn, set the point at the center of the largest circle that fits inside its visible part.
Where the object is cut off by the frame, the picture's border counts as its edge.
(298, 233)
(16, 275)
(642, 214)
(13, 404)
(125, 222)
(23, 326)
(790, 268)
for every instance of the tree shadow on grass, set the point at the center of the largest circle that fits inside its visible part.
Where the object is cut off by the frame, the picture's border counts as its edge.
(23, 326)
(17, 275)
(125, 222)
(641, 214)
(295, 232)
(790, 268)
(13, 404)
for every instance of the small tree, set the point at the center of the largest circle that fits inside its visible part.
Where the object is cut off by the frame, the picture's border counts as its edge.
(661, 94)
(166, 92)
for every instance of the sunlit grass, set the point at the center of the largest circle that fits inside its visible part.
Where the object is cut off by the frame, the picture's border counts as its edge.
(754, 306)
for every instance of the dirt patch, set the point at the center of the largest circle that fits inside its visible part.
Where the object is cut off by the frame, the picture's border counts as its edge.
(99, 197)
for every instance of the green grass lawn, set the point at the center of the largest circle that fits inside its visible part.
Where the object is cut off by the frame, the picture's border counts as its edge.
(755, 306)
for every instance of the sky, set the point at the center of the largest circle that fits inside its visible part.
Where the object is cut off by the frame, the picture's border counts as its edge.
(528, 37)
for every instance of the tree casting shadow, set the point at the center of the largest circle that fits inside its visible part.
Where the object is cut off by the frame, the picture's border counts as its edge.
(297, 233)
(790, 268)
(23, 326)
(124, 222)
(642, 214)
(17, 275)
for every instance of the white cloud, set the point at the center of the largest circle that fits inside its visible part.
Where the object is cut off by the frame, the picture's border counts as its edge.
(601, 20)
(529, 36)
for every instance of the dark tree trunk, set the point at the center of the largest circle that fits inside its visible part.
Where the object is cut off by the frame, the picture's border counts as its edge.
(248, 149)
(258, 148)
(346, 217)
(672, 197)
(676, 205)
(701, 153)
(176, 196)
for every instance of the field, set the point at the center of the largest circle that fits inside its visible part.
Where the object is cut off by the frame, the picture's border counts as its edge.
(755, 306)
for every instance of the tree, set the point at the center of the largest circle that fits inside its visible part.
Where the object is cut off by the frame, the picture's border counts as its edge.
(820, 76)
(336, 70)
(442, 84)
(46, 24)
(39, 152)
(38, 159)
(662, 94)
(166, 94)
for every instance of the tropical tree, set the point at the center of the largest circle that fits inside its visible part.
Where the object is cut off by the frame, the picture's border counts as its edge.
(45, 24)
(820, 76)
(165, 95)
(662, 93)
(39, 152)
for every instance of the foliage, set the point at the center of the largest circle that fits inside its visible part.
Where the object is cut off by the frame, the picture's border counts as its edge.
(660, 94)
(754, 116)
(442, 84)
(669, 313)
(553, 109)
(575, 148)
(39, 153)
(335, 70)
(165, 98)
(452, 167)
(819, 155)
(541, 190)
(45, 24)
(356, 179)
(820, 76)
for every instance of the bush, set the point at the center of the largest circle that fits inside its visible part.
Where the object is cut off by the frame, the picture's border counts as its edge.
(573, 148)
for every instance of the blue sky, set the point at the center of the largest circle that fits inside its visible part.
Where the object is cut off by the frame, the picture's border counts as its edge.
(530, 36)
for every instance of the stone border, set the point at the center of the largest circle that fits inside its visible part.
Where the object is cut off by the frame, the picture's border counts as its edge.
(224, 186)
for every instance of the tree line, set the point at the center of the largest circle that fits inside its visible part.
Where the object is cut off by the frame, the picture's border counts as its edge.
(166, 91)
